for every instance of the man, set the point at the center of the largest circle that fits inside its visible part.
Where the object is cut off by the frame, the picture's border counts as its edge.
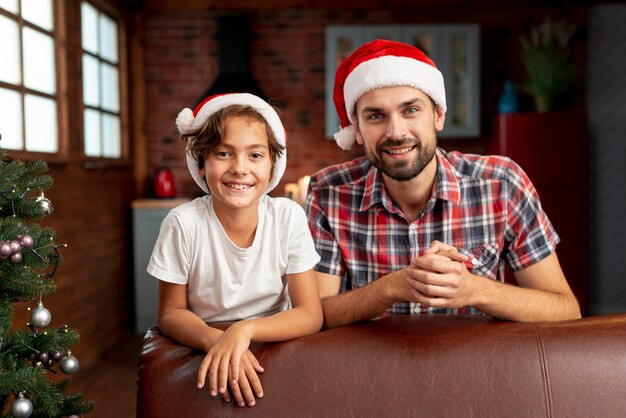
(411, 228)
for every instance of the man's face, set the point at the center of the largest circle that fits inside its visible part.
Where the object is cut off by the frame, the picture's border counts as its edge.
(397, 127)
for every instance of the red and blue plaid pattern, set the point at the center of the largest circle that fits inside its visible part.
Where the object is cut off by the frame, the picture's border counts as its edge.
(485, 206)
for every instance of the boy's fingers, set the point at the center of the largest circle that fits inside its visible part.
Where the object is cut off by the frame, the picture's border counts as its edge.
(223, 374)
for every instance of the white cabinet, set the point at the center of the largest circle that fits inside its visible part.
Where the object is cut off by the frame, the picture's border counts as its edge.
(147, 217)
(455, 48)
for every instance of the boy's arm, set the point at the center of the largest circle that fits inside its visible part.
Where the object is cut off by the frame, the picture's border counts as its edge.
(178, 322)
(305, 316)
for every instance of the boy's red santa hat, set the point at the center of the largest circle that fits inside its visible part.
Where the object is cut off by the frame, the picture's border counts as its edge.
(188, 121)
(378, 64)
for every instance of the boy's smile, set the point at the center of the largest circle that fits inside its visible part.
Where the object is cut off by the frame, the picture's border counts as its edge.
(238, 170)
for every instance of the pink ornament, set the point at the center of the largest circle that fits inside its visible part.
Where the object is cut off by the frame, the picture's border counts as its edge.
(16, 258)
(16, 247)
(27, 241)
(5, 250)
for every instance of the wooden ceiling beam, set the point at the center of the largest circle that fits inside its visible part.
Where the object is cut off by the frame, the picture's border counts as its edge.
(175, 5)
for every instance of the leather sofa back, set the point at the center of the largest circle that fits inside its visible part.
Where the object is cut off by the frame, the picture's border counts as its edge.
(411, 366)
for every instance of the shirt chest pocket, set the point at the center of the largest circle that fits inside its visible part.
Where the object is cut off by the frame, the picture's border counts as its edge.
(485, 258)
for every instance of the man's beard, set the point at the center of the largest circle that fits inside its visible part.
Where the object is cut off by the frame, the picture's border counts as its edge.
(402, 170)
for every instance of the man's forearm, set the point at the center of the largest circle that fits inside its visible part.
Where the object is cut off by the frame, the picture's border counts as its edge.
(515, 303)
(359, 304)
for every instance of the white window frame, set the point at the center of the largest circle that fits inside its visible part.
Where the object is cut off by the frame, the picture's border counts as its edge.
(122, 141)
(57, 34)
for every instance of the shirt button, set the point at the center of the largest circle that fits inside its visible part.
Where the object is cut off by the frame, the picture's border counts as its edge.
(412, 227)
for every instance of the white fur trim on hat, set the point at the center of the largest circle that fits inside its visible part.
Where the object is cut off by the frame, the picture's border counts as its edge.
(187, 122)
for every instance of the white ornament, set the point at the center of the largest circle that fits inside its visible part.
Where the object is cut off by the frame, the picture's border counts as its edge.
(22, 407)
(40, 316)
(45, 203)
(69, 364)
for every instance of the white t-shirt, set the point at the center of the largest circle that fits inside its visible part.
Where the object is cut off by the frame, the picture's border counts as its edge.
(225, 282)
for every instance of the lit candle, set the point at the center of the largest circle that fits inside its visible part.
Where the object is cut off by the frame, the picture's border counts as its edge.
(303, 187)
(291, 191)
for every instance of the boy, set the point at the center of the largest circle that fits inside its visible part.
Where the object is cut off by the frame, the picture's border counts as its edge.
(235, 254)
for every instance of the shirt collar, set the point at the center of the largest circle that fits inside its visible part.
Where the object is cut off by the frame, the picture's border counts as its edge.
(446, 186)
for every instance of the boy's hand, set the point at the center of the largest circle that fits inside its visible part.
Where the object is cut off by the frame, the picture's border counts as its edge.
(222, 363)
(248, 386)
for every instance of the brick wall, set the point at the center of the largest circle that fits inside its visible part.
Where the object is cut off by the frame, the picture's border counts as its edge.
(180, 61)
(287, 59)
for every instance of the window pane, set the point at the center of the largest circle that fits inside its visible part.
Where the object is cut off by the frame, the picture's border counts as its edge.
(41, 124)
(92, 133)
(91, 81)
(89, 19)
(38, 12)
(10, 5)
(111, 135)
(101, 84)
(108, 39)
(11, 119)
(9, 51)
(109, 88)
(39, 72)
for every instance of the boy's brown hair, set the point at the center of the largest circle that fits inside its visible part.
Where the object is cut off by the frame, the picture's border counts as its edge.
(203, 141)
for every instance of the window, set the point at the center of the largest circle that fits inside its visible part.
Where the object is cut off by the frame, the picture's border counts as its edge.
(30, 121)
(102, 85)
(453, 47)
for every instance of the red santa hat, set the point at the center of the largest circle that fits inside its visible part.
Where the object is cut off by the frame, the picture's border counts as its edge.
(382, 63)
(188, 121)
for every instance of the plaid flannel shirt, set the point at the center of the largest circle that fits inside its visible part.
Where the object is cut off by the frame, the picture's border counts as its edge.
(485, 206)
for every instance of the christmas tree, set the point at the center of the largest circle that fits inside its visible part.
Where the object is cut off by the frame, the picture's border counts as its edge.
(29, 256)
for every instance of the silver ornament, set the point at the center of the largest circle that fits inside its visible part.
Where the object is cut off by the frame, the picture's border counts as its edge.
(45, 203)
(40, 316)
(22, 407)
(69, 364)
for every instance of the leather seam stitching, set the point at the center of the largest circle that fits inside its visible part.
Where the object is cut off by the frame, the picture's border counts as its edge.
(545, 372)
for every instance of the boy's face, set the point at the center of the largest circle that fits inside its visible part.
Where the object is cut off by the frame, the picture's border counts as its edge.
(238, 170)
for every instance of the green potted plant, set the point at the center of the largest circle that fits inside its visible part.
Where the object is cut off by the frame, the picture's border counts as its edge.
(546, 59)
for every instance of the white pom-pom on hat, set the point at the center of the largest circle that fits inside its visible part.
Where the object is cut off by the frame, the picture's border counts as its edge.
(377, 64)
(345, 137)
(188, 121)
(184, 121)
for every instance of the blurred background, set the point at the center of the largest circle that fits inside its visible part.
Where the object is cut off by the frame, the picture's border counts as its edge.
(94, 87)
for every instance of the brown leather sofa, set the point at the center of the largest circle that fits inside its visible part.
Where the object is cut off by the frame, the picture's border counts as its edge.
(411, 366)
